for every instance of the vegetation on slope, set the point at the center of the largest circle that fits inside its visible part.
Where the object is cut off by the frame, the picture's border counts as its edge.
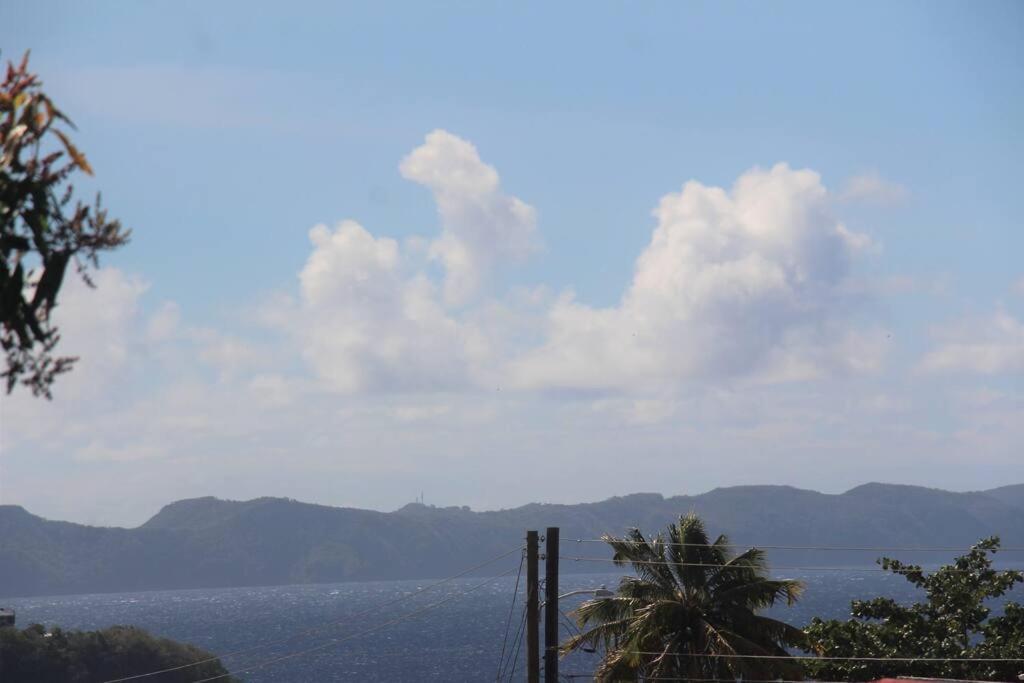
(37, 656)
(271, 541)
(953, 623)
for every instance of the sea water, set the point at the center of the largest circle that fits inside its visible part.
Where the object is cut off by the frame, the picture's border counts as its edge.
(361, 631)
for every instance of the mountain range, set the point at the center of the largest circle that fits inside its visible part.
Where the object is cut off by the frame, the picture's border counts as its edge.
(207, 542)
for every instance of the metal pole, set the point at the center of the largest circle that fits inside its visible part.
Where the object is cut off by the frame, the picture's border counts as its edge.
(551, 607)
(532, 609)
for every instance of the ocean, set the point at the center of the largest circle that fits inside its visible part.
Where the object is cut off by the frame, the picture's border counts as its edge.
(323, 625)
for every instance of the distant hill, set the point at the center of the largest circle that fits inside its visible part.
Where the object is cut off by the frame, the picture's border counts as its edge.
(1011, 495)
(206, 542)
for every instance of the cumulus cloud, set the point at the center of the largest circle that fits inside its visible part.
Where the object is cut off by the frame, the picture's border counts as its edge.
(989, 346)
(367, 322)
(370, 317)
(481, 226)
(747, 282)
(729, 281)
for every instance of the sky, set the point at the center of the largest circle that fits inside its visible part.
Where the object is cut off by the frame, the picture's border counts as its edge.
(500, 253)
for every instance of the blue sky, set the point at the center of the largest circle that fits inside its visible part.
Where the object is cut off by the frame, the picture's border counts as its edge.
(223, 133)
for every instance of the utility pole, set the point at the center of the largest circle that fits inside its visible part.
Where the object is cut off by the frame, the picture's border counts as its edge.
(551, 607)
(532, 609)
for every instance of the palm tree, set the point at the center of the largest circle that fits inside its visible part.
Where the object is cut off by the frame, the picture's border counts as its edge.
(689, 604)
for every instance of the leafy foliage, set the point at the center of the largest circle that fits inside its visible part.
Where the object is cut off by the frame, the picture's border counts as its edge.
(62, 656)
(952, 623)
(690, 602)
(41, 231)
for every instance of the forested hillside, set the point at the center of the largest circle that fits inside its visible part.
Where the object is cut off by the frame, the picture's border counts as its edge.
(207, 542)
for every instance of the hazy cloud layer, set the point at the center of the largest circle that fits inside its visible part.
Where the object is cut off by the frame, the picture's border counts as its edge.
(871, 187)
(989, 346)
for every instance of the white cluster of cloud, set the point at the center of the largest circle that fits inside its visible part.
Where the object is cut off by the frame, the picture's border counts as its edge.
(481, 226)
(746, 282)
(371, 317)
(730, 284)
(367, 322)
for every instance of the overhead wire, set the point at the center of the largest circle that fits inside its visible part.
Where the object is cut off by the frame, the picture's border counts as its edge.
(893, 549)
(795, 657)
(321, 627)
(574, 676)
(568, 623)
(508, 621)
(776, 567)
(518, 644)
(825, 658)
(336, 641)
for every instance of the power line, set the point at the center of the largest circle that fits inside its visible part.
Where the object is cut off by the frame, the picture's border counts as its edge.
(705, 680)
(335, 641)
(808, 547)
(571, 627)
(508, 621)
(329, 624)
(517, 646)
(773, 567)
(824, 658)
